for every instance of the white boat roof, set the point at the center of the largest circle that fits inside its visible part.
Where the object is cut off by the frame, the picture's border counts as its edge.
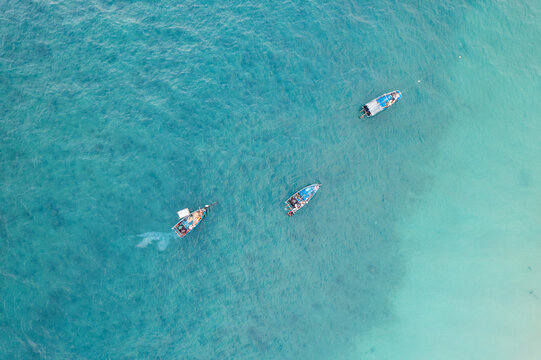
(183, 213)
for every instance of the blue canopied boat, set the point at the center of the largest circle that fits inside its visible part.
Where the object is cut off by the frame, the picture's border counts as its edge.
(381, 103)
(301, 198)
(189, 220)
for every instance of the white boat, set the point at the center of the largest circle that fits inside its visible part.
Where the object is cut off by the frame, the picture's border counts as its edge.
(301, 198)
(380, 103)
(189, 220)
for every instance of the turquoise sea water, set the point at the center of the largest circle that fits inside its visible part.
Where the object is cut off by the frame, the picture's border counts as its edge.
(423, 242)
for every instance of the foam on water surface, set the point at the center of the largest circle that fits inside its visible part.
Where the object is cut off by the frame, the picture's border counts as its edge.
(162, 239)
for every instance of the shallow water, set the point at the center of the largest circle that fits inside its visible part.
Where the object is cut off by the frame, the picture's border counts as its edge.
(472, 243)
(118, 114)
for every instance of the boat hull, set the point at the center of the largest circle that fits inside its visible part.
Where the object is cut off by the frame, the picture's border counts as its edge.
(190, 222)
(380, 103)
(301, 198)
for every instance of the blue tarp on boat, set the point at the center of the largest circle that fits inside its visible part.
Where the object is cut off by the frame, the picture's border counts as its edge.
(306, 193)
(383, 100)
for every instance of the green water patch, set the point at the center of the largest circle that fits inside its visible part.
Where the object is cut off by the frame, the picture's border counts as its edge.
(472, 244)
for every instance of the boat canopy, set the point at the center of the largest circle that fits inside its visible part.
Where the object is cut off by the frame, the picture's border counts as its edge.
(183, 213)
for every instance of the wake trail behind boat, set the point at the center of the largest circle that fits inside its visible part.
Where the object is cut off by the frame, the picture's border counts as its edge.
(162, 239)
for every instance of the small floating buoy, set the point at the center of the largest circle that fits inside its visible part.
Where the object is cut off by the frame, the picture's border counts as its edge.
(418, 81)
(460, 56)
